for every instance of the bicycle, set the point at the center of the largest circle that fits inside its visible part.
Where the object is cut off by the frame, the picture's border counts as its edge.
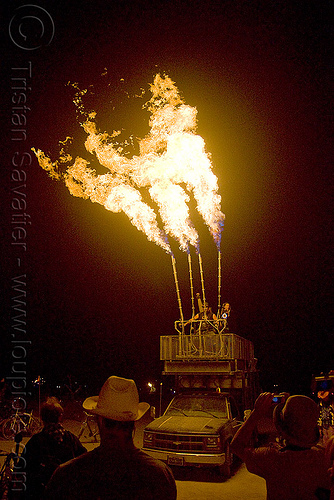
(12, 480)
(25, 423)
(89, 424)
(6, 474)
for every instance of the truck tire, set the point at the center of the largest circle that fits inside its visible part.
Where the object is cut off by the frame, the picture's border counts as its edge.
(225, 470)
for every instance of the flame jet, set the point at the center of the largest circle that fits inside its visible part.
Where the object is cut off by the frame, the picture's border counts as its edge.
(172, 163)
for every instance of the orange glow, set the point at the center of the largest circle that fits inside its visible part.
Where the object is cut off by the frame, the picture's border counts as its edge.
(171, 165)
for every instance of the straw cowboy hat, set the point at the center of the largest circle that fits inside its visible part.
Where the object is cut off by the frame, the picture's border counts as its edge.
(118, 400)
(297, 421)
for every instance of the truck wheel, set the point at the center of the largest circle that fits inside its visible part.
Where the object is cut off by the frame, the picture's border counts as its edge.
(225, 469)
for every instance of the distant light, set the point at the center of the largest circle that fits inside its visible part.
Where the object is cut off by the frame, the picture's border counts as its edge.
(38, 381)
(151, 387)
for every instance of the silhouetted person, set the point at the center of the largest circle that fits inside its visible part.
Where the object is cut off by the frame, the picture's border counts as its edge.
(295, 469)
(116, 469)
(46, 450)
(5, 399)
(326, 418)
(205, 321)
(330, 457)
(224, 316)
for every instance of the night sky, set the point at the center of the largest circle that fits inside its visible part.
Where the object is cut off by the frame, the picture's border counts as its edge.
(97, 294)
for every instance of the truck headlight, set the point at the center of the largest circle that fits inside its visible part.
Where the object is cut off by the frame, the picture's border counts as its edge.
(213, 443)
(148, 438)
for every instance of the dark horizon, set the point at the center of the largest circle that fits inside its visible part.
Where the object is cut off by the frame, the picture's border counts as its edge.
(97, 294)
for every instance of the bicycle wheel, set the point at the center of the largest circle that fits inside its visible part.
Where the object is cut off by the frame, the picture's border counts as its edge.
(10, 427)
(34, 426)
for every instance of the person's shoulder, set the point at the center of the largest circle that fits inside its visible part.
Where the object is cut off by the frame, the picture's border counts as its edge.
(160, 475)
(35, 439)
(72, 438)
(330, 448)
(142, 455)
(75, 464)
(66, 477)
(150, 462)
(70, 434)
(156, 466)
(264, 452)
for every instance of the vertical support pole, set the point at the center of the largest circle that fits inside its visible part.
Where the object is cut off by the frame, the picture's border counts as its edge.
(160, 400)
(177, 288)
(39, 396)
(219, 282)
(180, 304)
(202, 283)
(191, 287)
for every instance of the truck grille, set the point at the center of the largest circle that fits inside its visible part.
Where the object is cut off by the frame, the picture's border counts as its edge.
(179, 442)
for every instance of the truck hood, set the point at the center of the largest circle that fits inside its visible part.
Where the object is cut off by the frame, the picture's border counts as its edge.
(180, 424)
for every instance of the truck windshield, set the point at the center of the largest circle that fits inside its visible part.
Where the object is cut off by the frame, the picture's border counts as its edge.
(198, 406)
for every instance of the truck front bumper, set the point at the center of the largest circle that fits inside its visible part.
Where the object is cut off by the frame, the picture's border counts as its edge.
(187, 459)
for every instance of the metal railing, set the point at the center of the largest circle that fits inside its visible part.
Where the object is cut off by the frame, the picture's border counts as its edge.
(215, 346)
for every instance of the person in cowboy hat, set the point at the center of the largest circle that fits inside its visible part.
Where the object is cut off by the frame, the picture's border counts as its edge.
(116, 469)
(296, 468)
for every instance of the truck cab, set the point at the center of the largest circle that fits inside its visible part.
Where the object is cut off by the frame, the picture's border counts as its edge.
(195, 430)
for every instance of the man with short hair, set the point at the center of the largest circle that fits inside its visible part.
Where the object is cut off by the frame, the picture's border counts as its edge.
(116, 469)
(297, 469)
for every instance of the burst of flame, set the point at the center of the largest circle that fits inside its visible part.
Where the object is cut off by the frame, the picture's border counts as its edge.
(172, 163)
